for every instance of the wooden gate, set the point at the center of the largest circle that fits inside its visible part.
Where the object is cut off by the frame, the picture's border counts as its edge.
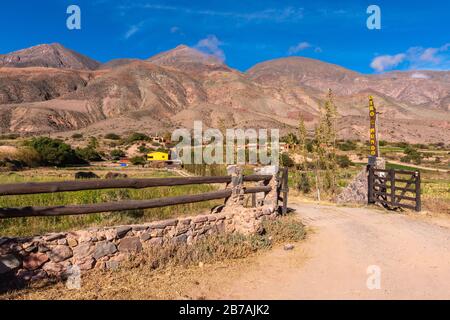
(394, 188)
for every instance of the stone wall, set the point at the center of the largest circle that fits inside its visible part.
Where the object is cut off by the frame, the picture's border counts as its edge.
(55, 254)
(357, 190)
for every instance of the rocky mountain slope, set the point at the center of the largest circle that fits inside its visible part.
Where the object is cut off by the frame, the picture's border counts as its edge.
(174, 88)
(48, 55)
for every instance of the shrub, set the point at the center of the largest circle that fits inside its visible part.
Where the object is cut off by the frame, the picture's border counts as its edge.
(343, 161)
(54, 152)
(112, 136)
(143, 149)
(138, 161)
(304, 183)
(412, 155)
(137, 136)
(402, 144)
(285, 160)
(116, 154)
(347, 145)
(9, 136)
(77, 136)
(290, 138)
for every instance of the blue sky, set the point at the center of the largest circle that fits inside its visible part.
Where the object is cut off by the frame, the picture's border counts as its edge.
(413, 35)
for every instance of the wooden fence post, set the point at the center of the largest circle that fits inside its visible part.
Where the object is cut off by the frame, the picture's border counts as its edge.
(370, 184)
(392, 180)
(285, 189)
(418, 198)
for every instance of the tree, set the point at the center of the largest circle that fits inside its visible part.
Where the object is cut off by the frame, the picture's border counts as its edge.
(89, 154)
(138, 161)
(116, 154)
(301, 134)
(54, 152)
(325, 145)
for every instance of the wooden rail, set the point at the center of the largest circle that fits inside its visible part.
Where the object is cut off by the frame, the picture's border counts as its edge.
(79, 185)
(66, 186)
(119, 205)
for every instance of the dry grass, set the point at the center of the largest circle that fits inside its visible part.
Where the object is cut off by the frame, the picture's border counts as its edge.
(166, 272)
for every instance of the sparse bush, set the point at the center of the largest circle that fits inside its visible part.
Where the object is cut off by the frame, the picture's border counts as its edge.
(412, 155)
(343, 161)
(137, 136)
(347, 145)
(9, 136)
(112, 136)
(77, 136)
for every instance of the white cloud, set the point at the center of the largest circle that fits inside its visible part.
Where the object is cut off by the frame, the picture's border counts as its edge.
(302, 46)
(381, 63)
(299, 47)
(415, 58)
(131, 31)
(211, 45)
(280, 15)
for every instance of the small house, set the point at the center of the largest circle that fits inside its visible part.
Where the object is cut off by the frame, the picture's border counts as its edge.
(157, 156)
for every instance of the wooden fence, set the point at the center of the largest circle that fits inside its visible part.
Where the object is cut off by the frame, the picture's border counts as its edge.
(389, 188)
(79, 185)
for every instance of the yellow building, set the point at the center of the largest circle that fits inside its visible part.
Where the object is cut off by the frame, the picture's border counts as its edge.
(157, 156)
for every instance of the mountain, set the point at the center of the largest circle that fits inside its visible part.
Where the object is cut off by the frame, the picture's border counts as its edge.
(176, 87)
(189, 60)
(50, 56)
(116, 63)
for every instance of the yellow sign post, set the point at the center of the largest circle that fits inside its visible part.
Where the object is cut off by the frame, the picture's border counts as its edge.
(373, 140)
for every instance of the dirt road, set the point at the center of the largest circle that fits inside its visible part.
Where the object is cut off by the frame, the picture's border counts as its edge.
(411, 253)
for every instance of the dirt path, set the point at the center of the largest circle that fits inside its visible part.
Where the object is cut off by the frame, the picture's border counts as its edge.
(413, 254)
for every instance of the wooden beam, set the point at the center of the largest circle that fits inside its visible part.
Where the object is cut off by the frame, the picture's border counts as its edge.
(119, 205)
(78, 185)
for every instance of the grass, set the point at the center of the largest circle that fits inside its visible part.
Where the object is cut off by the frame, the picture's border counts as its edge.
(39, 225)
(162, 272)
(400, 167)
(436, 192)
